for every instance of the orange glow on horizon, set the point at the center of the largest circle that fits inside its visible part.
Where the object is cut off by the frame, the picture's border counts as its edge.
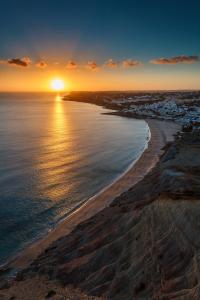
(29, 80)
(58, 84)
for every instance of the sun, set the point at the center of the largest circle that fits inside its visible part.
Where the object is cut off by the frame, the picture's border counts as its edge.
(57, 84)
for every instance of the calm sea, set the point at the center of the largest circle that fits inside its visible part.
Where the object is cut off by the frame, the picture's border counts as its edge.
(53, 155)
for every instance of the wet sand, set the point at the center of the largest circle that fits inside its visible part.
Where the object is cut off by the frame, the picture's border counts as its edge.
(161, 133)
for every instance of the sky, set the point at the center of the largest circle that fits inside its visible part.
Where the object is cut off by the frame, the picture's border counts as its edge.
(99, 45)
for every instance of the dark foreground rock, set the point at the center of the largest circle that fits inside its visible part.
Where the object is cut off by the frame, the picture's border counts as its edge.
(146, 245)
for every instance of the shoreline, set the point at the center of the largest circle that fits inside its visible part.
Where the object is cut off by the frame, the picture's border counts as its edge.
(160, 136)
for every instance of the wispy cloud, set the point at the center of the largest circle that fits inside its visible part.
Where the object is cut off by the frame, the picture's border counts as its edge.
(92, 65)
(41, 64)
(71, 65)
(131, 63)
(111, 63)
(182, 59)
(18, 62)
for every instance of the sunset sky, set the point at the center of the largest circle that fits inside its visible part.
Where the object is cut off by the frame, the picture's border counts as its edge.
(99, 45)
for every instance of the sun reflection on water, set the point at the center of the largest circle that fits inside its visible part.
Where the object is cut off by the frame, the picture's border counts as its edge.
(54, 159)
(58, 98)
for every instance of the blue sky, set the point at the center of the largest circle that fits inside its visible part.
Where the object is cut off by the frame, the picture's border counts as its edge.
(99, 30)
(144, 29)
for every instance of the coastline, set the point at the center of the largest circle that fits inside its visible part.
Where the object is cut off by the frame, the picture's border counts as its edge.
(160, 136)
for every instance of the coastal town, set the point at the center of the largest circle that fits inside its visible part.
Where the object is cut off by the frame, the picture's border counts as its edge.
(102, 250)
(180, 107)
(99, 150)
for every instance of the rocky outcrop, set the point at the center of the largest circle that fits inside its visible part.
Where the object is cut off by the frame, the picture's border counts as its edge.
(40, 288)
(146, 245)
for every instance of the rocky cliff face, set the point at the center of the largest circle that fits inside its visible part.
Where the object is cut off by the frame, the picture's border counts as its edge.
(146, 245)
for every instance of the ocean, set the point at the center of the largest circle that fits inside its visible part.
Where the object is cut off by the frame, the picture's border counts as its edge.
(54, 155)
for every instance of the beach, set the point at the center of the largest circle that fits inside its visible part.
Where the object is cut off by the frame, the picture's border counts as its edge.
(161, 134)
(132, 240)
(56, 157)
(145, 245)
(99, 150)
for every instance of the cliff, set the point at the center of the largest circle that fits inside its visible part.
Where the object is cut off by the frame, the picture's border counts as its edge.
(145, 245)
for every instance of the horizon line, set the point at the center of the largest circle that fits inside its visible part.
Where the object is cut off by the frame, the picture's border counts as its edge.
(111, 91)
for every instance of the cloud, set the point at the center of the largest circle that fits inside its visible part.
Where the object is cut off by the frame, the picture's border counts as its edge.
(182, 59)
(111, 63)
(41, 64)
(130, 63)
(19, 62)
(92, 65)
(71, 65)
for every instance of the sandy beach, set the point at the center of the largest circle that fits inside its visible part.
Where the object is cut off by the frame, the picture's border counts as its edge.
(99, 150)
(142, 245)
(161, 133)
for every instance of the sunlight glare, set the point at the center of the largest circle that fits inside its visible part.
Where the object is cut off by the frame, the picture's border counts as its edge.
(57, 84)
(58, 98)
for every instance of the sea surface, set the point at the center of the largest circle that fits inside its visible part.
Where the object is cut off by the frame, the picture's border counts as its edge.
(54, 155)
